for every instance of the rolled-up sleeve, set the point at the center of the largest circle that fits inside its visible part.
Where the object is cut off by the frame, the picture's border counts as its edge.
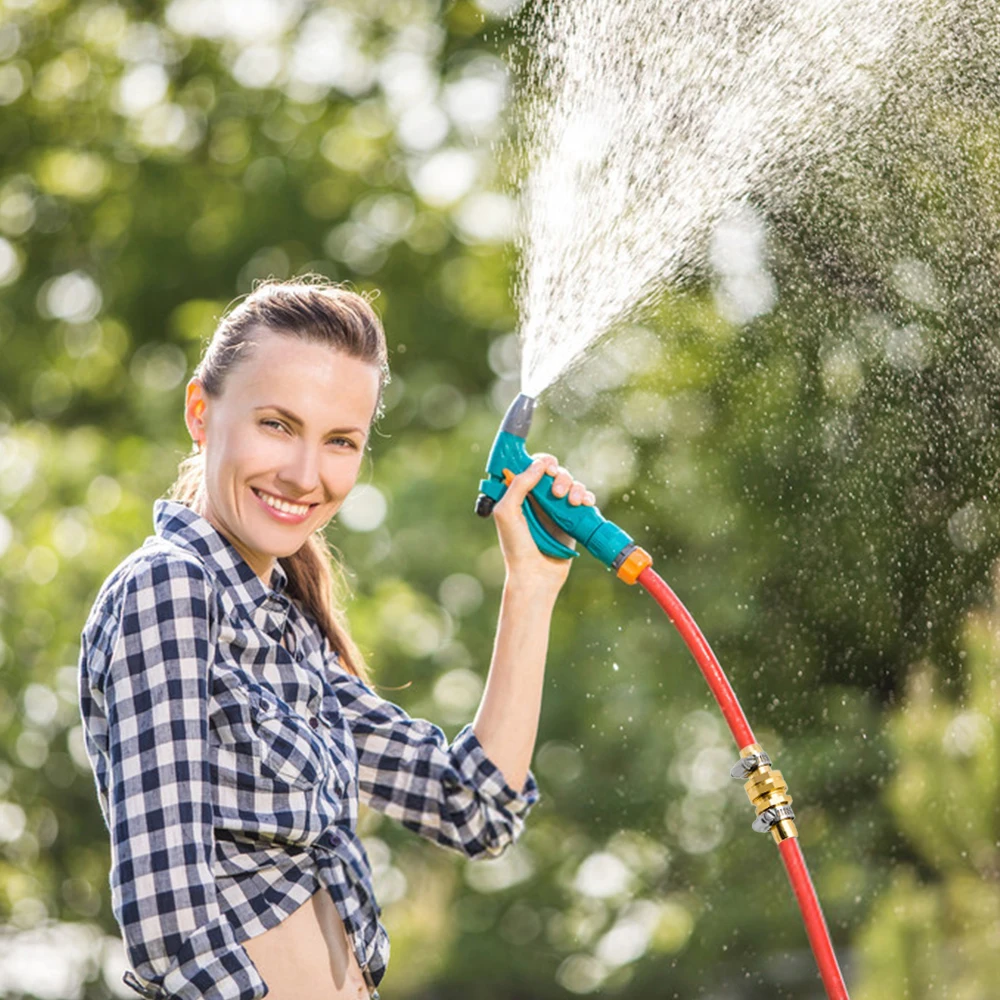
(156, 694)
(452, 793)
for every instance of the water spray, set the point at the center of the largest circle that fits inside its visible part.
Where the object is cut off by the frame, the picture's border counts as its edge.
(766, 789)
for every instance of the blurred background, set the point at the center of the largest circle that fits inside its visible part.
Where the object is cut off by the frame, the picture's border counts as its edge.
(805, 437)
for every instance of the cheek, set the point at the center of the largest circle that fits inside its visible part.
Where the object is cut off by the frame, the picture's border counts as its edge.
(243, 455)
(344, 474)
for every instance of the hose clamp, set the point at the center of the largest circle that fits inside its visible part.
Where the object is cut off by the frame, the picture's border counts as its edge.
(769, 817)
(745, 766)
(767, 791)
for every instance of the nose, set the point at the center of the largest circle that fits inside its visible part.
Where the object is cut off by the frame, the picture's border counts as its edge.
(300, 472)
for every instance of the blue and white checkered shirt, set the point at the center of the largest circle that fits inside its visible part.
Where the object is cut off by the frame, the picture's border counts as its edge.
(230, 750)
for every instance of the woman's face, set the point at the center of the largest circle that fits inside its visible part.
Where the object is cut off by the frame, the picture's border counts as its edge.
(283, 443)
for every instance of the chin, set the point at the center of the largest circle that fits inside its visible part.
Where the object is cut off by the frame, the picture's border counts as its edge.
(283, 549)
(277, 542)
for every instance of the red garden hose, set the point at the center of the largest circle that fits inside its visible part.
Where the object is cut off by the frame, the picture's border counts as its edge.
(784, 833)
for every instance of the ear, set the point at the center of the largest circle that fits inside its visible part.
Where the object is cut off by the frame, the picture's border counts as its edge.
(194, 412)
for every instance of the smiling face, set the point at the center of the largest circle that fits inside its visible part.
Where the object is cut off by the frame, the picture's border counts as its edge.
(283, 443)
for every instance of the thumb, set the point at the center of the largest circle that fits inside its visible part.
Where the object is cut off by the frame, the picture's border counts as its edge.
(523, 483)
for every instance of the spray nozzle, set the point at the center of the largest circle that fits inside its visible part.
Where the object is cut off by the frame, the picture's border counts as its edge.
(517, 419)
(602, 538)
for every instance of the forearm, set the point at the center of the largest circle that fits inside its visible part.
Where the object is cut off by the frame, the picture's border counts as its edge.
(506, 723)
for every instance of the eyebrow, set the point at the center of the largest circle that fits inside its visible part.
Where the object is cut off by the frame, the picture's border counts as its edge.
(292, 418)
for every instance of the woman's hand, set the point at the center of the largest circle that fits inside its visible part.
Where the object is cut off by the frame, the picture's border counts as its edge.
(526, 565)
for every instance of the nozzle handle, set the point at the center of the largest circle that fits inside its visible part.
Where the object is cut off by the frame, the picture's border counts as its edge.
(543, 538)
(492, 489)
(601, 537)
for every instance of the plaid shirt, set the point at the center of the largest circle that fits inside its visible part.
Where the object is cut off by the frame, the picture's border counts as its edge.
(230, 750)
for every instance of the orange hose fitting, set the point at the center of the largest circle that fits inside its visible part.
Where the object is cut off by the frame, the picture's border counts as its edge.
(636, 561)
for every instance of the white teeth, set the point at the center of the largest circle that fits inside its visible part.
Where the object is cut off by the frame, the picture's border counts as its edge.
(288, 508)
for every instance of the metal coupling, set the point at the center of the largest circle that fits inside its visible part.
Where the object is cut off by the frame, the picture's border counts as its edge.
(768, 793)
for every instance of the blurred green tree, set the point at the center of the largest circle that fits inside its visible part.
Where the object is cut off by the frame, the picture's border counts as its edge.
(935, 931)
(819, 484)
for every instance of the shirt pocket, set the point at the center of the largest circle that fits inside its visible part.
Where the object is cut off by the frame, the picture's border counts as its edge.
(265, 739)
(288, 749)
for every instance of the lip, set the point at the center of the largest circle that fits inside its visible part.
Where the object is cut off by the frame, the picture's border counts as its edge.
(279, 515)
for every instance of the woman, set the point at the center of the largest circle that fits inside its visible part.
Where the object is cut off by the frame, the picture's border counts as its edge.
(227, 714)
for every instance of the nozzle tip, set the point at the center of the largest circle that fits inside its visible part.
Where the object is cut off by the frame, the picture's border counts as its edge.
(517, 420)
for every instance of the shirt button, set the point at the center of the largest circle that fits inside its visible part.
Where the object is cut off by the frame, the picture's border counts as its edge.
(314, 722)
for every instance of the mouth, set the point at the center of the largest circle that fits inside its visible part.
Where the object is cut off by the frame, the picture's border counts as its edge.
(282, 510)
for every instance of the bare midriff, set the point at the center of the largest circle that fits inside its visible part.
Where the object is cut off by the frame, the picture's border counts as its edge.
(307, 956)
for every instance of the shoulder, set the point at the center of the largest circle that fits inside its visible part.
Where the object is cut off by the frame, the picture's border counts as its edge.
(158, 586)
(157, 572)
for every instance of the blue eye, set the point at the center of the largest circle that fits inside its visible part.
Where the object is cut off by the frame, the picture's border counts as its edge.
(282, 426)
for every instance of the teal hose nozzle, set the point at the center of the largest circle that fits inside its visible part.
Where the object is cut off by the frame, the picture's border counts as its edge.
(508, 457)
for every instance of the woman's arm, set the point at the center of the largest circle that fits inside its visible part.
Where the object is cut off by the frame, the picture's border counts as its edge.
(507, 720)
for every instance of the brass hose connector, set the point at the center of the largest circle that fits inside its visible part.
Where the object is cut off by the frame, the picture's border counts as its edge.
(768, 793)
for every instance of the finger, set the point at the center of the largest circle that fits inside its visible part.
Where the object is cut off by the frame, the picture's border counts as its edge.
(589, 499)
(576, 494)
(551, 462)
(563, 482)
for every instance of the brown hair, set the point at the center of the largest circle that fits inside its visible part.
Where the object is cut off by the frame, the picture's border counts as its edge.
(311, 308)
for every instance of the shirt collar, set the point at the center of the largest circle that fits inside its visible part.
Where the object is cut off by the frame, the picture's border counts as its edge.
(177, 523)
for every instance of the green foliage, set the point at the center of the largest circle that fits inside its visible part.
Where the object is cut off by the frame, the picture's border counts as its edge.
(819, 485)
(934, 933)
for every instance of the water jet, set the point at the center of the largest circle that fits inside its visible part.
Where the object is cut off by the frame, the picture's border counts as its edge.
(642, 128)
